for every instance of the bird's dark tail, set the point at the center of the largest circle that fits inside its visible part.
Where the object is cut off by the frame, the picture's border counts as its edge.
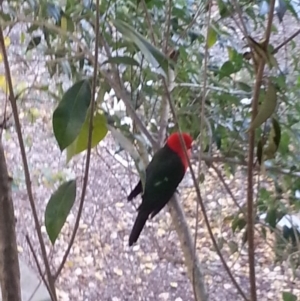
(138, 227)
(137, 190)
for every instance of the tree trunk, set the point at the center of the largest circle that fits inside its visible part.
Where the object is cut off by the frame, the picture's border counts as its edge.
(9, 264)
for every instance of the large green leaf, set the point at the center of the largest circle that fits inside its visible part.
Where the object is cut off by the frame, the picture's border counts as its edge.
(58, 208)
(81, 142)
(152, 54)
(69, 116)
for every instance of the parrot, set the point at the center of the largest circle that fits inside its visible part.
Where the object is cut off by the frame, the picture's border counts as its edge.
(163, 175)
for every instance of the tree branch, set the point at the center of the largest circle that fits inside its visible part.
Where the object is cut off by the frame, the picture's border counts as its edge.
(286, 41)
(192, 262)
(250, 207)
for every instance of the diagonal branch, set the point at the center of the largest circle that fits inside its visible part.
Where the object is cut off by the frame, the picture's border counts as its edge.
(286, 41)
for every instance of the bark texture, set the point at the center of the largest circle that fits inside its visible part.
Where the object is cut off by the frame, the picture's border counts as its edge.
(9, 263)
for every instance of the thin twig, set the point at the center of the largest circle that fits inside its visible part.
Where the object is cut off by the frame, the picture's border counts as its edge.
(250, 207)
(216, 159)
(38, 265)
(168, 25)
(270, 21)
(227, 188)
(25, 164)
(89, 144)
(240, 15)
(202, 116)
(213, 88)
(149, 23)
(196, 16)
(250, 221)
(164, 109)
(286, 41)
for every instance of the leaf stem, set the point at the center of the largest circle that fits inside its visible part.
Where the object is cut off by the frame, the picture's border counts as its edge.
(88, 156)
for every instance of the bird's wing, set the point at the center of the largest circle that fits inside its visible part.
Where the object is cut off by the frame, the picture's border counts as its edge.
(163, 175)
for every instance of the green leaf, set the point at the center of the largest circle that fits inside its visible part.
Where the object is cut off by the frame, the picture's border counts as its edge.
(129, 147)
(287, 296)
(277, 132)
(271, 217)
(224, 9)
(126, 60)
(267, 108)
(239, 223)
(285, 142)
(226, 69)
(233, 246)
(81, 142)
(58, 208)
(273, 140)
(264, 233)
(212, 37)
(66, 24)
(154, 56)
(69, 116)
(201, 177)
(5, 17)
(34, 42)
(243, 86)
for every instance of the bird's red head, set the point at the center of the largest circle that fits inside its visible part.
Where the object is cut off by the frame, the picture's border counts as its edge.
(174, 143)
